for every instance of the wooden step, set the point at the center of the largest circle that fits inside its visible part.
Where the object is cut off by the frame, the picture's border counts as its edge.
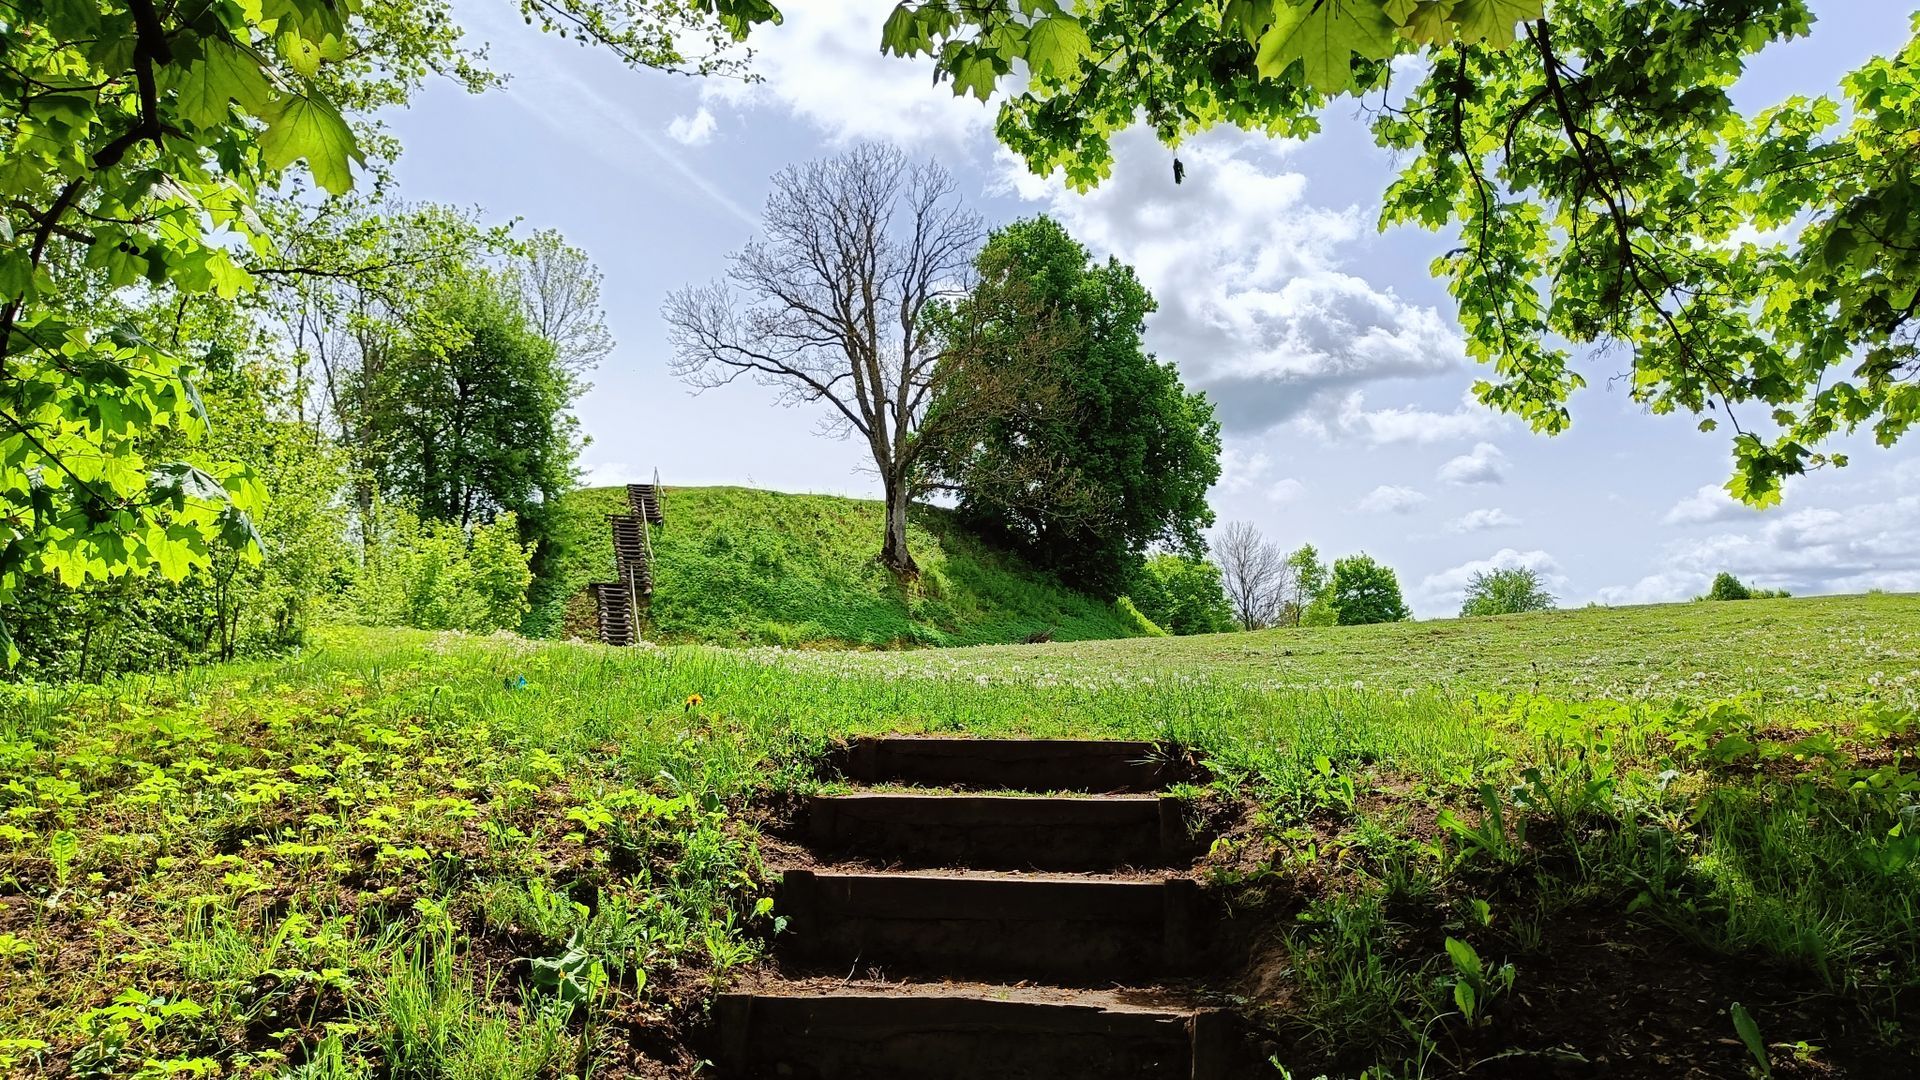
(1086, 931)
(967, 1033)
(1002, 832)
(614, 611)
(1015, 764)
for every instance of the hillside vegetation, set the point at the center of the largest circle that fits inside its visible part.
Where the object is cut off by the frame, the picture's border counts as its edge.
(741, 566)
(414, 854)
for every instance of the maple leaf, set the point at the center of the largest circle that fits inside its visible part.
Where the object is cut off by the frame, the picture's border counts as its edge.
(1325, 36)
(306, 127)
(1492, 21)
(1055, 45)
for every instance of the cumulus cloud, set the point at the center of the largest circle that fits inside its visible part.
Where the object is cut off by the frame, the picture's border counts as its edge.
(1484, 464)
(1817, 549)
(1390, 499)
(1241, 469)
(1410, 424)
(1445, 590)
(1285, 490)
(1484, 520)
(695, 130)
(1255, 306)
(825, 66)
(611, 474)
(1709, 504)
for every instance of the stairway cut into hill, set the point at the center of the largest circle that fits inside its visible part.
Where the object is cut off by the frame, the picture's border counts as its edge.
(618, 603)
(944, 934)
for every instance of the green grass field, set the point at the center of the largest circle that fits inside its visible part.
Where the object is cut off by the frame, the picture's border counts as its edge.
(739, 566)
(413, 855)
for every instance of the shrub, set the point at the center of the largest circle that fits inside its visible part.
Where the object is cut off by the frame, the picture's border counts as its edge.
(1728, 587)
(434, 575)
(1365, 591)
(1182, 595)
(1135, 621)
(1505, 592)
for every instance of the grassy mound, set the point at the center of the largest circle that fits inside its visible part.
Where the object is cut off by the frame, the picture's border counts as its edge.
(740, 566)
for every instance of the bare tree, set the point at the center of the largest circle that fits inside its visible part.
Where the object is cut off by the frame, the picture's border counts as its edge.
(1256, 574)
(559, 288)
(833, 303)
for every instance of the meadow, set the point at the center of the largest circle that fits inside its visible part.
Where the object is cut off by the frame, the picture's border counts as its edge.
(1641, 842)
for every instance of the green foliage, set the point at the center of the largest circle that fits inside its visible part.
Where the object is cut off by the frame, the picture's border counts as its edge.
(1507, 591)
(435, 575)
(1182, 594)
(1308, 602)
(1134, 620)
(738, 566)
(1589, 153)
(1063, 438)
(1728, 587)
(468, 420)
(1364, 591)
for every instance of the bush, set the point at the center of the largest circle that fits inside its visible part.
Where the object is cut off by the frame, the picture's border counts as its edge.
(1505, 592)
(1728, 587)
(1182, 595)
(1366, 591)
(1135, 621)
(434, 575)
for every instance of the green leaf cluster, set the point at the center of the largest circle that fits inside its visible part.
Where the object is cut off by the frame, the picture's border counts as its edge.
(1365, 591)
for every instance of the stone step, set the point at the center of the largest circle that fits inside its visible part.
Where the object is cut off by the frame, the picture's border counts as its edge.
(1015, 764)
(1068, 930)
(1001, 832)
(965, 1033)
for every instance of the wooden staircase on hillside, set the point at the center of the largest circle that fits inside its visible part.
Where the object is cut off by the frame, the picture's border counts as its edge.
(1053, 934)
(619, 602)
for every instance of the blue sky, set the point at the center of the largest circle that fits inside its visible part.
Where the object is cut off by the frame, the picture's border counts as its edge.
(1333, 357)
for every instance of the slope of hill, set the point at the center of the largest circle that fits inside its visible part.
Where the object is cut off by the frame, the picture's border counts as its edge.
(740, 566)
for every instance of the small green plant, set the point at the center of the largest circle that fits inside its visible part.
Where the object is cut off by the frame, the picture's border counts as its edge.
(1474, 988)
(1494, 836)
(1749, 1032)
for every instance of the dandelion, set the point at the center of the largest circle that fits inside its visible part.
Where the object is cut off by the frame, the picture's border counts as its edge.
(693, 702)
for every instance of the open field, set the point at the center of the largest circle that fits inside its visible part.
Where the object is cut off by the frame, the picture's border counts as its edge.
(413, 855)
(737, 566)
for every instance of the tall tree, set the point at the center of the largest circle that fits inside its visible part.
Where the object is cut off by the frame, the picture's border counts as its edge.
(1061, 435)
(1181, 594)
(1365, 591)
(468, 419)
(1507, 591)
(1309, 579)
(1257, 576)
(559, 287)
(1588, 155)
(831, 306)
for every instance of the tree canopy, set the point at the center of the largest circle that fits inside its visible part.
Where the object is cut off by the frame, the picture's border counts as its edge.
(1365, 591)
(1062, 436)
(1506, 591)
(1759, 270)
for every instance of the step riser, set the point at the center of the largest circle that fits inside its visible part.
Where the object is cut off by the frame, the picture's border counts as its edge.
(1001, 833)
(1086, 932)
(877, 1038)
(1013, 764)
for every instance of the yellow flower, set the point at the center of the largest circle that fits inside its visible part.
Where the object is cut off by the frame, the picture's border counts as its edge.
(693, 701)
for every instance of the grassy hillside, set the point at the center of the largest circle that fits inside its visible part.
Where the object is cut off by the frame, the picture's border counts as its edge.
(346, 864)
(740, 566)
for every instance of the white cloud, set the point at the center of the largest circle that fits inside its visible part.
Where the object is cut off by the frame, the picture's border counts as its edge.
(1286, 490)
(1484, 464)
(1709, 504)
(1813, 550)
(1410, 424)
(1241, 469)
(1390, 499)
(824, 65)
(1446, 589)
(1253, 303)
(613, 473)
(1483, 520)
(695, 130)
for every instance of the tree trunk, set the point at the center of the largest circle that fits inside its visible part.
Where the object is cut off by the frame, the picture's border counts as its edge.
(894, 552)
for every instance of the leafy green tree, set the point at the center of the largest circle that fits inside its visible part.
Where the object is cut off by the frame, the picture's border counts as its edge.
(436, 575)
(1507, 591)
(1365, 591)
(1588, 155)
(1728, 587)
(1307, 595)
(1182, 594)
(468, 418)
(139, 140)
(1062, 436)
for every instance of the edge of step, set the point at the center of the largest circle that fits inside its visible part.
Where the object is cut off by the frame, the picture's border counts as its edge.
(1091, 765)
